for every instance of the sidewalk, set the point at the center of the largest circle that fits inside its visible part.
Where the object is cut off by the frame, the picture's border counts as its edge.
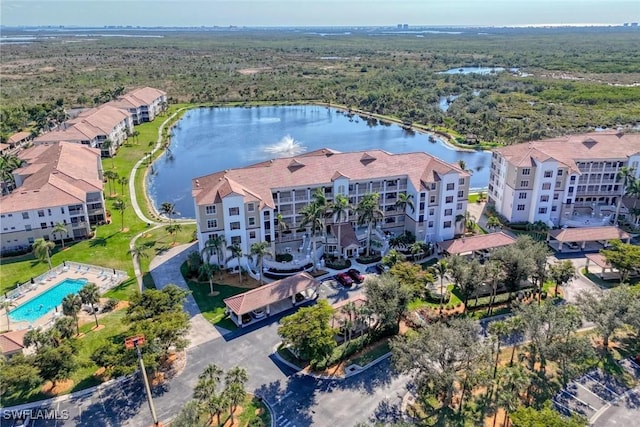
(165, 270)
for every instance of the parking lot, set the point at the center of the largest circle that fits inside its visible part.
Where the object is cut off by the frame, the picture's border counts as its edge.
(601, 398)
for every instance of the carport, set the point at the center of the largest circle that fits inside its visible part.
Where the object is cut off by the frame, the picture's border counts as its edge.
(584, 235)
(273, 298)
(473, 244)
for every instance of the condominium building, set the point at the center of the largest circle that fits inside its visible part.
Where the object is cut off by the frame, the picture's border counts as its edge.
(570, 180)
(57, 183)
(93, 127)
(243, 204)
(144, 104)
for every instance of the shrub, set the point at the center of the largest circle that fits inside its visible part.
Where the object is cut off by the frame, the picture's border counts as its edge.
(336, 263)
(284, 257)
(110, 304)
(369, 259)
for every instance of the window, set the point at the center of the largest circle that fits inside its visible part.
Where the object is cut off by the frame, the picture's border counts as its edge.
(448, 199)
(210, 210)
(568, 201)
(520, 207)
(251, 207)
(450, 186)
(432, 199)
(433, 185)
(236, 240)
(25, 215)
(460, 194)
(554, 208)
(252, 220)
(524, 183)
(573, 178)
(546, 186)
(212, 223)
(26, 227)
(448, 212)
(62, 211)
(421, 208)
(43, 225)
(432, 211)
(526, 171)
(420, 218)
(213, 235)
(40, 213)
(522, 196)
(49, 212)
(252, 234)
(556, 196)
(430, 224)
(542, 210)
(459, 206)
(559, 172)
(461, 181)
(234, 211)
(548, 174)
(447, 224)
(544, 198)
(570, 190)
(31, 240)
(235, 225)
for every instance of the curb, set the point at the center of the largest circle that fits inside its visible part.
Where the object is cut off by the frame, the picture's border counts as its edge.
(53, 400)
(353, 371)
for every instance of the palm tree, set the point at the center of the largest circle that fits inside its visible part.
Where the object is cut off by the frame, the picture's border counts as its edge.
(123, 181)
(8, 163)
(513, 380)
(340, 208)
(234, 391)
(110, 176)
(633, 191)
(173, 230)
(500, 330)
(494, 272)
(469, 221)
(106, 146)
(441, 268)
(214, 244)
(562, 272)
(60, 228)
(42, 250)
(626, 175)
(312, 216)
(281, 223)
(209, 270)
(6, 305)
(120, 205)
(236, 252)
(35, 337)
(135, 134)
(205, 391)
(90, 294)
(71, 305)
(405, 201)
(369, 213)
(168, 209)
(417, 248)
(259, 250)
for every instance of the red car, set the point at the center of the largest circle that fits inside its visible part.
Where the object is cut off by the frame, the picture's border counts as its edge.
(356, 275)
(344, 279)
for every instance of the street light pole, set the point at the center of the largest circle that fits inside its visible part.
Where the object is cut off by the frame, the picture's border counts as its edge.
(136, 342)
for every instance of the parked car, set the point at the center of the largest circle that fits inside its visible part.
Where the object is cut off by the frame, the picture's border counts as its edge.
(299, 297)
(259, 313)
(246, 318)
(382, 268)
(344, 279)
(573, 245)
(356, 275)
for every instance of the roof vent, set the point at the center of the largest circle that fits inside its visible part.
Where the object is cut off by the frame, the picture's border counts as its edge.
(197, 183)
(295, 165)
(367, 158)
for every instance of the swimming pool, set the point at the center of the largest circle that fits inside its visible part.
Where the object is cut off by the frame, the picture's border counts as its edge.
(37, 307)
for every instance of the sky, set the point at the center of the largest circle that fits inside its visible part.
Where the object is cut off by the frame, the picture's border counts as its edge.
(317, 12)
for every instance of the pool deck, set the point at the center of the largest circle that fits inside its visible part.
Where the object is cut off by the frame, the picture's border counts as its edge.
(103, 277)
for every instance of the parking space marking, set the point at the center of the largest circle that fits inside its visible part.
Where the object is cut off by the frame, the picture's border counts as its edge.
(284, 396)
(578, 399)
(595, 394)
(564, 406)
(599, 382)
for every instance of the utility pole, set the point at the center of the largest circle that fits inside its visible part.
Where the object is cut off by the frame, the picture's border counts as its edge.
(136, 342)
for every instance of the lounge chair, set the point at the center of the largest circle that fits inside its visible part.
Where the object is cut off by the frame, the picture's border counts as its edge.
(79, 268)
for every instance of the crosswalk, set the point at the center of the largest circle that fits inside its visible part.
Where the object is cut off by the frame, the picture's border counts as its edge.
(281, 421)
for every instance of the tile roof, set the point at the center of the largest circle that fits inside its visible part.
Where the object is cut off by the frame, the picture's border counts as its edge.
(17, 137)
(476, 243)
(318, 167)
(599, 260)
(270, 293)
(138, 98)
(55, 175)
(12, 342)
(571, 148)
(589, 234)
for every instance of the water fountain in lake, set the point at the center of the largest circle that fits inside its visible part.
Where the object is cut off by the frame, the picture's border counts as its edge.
(287, 146)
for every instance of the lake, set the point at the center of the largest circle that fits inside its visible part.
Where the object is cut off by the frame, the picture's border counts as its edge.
(208, 140)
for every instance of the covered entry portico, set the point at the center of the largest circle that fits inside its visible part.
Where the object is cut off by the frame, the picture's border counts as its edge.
(272, 298)
(582, 236)
(475, 244)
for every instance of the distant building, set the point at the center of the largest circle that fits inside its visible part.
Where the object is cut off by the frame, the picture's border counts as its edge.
(58, 183)
(144, 104)
(569, 180)
(242, 204)
(93, 127)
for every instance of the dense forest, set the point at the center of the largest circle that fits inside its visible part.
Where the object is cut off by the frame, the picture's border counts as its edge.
(563, 80)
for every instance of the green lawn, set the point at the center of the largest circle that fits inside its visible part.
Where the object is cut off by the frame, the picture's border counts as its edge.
(212, 307)
(109, 248)
(371, 354)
